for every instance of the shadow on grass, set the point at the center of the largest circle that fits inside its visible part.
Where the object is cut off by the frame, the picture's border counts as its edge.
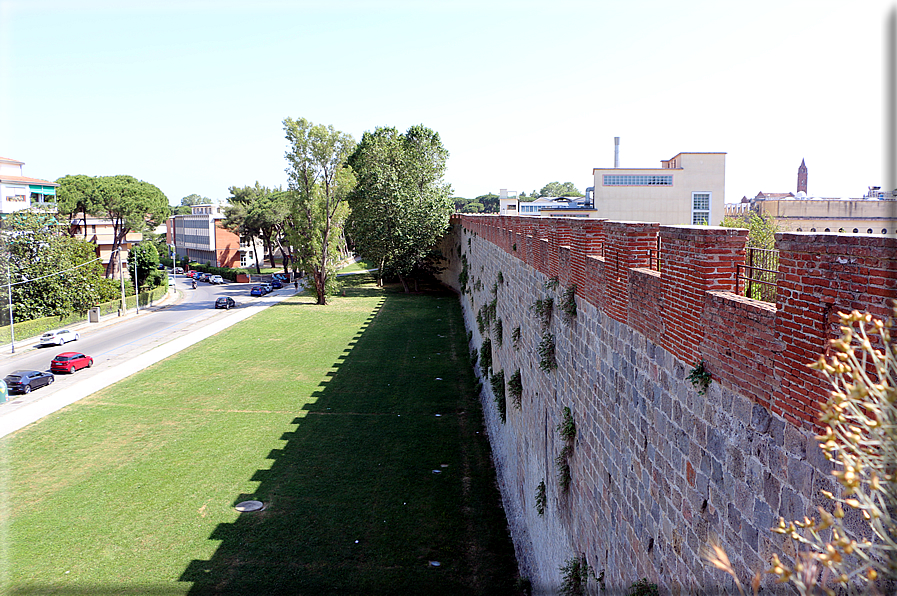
(385, 485)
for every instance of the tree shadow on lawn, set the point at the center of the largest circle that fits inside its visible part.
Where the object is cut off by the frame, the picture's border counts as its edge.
(386, 485)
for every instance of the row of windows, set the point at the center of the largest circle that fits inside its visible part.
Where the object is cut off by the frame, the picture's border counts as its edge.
(637, 180)
(843, 231)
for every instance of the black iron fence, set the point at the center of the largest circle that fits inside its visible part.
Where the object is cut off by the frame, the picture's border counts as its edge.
(654, 259)
(758, 277)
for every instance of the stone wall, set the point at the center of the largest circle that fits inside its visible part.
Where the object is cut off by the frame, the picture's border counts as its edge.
(657, 468)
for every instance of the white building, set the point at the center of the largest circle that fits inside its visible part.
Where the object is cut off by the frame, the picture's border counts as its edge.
(18, 192)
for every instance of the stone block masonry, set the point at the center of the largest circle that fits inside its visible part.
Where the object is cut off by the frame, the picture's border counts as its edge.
(656, 468)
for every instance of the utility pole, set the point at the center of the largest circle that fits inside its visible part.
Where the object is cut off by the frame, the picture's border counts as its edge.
(121, 275)
(136, 289)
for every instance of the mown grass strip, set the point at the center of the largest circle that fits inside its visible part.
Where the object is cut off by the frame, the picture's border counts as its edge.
(335, 417)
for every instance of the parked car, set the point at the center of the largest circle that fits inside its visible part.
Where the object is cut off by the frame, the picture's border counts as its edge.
(58, 337)
(225, 302)
(69, 362)
(257, 291)
(267, 287)
(275, 283)
(216, 279)
(24, 381)
(281, 277)
(190, 273)
(178, 269)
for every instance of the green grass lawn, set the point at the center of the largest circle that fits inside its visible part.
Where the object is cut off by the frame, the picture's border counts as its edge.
(358, 266)
(335, 417)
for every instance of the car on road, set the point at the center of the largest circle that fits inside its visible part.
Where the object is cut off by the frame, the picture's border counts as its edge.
(58, 337)
(216, 279)
(225, 302)
(267, 287)
(69, 362)
(24, 381)
(191, 273)
(257, 291)
(275, 283)
(178, 270)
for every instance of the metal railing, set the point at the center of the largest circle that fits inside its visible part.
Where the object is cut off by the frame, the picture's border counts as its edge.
(758, 277)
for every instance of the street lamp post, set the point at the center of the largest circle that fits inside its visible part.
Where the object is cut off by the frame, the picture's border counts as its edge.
(136, 288)
(121, 276)
(12, 327)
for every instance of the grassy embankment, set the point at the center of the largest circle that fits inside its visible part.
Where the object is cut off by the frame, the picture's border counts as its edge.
(338, 418)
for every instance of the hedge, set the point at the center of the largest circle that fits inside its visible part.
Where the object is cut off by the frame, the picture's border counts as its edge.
(35, 327)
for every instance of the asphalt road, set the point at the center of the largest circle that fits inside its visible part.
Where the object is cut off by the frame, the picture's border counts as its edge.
(118, 345)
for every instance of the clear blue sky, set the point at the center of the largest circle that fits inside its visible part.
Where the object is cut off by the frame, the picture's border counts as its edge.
(191, 95)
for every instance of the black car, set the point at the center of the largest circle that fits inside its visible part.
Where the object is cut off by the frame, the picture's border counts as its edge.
(225, 302)
(23, 381)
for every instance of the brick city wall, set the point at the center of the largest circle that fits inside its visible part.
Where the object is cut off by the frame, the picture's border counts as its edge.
(657, 469)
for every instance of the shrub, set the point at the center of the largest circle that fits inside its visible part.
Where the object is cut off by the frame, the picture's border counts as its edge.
(568, 303)
(499, 331)
(515, 337)
(542, 308)
(498, 390)
(541, 499)
(515, 388)
(547, 356)
(575, 576)
(486, 357)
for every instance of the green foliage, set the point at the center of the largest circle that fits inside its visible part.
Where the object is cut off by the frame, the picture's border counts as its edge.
(541, 499)
(556, 189)
(401, 204)
(130, 204)
(700, 377)
(473, 207)
(53, 275)
(258, 212)
(643, 588)
(498, 330)
(319, 182)
(547, 355)
(474, 356)
(498, 391)
(568, 303)
(500, 278)
(225, 272)
(515, 389)
(575, 576)
(147, 259)
(486, 357)
(464, 275)
(761, 228)
(514, 247)
(543, 308)
(552, 283)
(567, 427)
(515, 338)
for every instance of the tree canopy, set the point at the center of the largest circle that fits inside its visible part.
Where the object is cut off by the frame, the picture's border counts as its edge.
(186, 206)
(401, 205)
(319, 181)
(556, 189)
(130, 204)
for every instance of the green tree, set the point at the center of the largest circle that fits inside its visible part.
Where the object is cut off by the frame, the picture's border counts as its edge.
(401, 205)
(473, 207)
(130, 204)
(490, 202)
(319, 181)
(556, 189)
(146, 256)
(761, 228)
(187, 203)
(75, 195)
(260, 212)
(54, 273)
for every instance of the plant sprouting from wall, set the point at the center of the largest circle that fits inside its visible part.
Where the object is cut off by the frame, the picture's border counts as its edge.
(481, 321)
(552, 283)
(515, 338)
(500, 278)
(547, 353)
(543, 308)
(515, 389)
(486, 357)
(567, 430)
(498, 390)
(700, 377)
(541, 499)
(575, 574)
(474, 356)
(498, 329)
(643, 587)
(860, 437)
(568, 303)
(464, 276)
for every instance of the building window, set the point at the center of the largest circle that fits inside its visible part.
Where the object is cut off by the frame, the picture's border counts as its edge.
(869, 231)
(799, 230)
(856, 231)
(812, 229)
(700, 208)
(828, 230)
(637, 180)
(884, 231)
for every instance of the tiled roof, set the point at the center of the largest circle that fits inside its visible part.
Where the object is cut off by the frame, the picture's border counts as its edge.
(26, 180)
(11, 160)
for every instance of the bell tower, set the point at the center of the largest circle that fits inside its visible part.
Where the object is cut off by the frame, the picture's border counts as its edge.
(802, 177)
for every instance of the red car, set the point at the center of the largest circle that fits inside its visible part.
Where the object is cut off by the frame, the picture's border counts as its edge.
(69, 362)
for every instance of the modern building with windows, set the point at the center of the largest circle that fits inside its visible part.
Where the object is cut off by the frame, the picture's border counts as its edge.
(202, 237)
(688, 188)
(18, 192)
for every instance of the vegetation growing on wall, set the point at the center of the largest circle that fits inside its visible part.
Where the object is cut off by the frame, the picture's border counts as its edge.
(567, 430)
(498, 329)
(543, 308)
(568, 303)
(547, 356)
(464, 275)
(700, 377)
(515, 338)
(515, 388)
(552, 283)
(486, 357)
(575, 574)
(498, 390)
(541, 499)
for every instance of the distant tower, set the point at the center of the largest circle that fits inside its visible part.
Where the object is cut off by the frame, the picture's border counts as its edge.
(802, 177)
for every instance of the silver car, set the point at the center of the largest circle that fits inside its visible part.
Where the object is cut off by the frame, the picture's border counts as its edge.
(58, 337)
